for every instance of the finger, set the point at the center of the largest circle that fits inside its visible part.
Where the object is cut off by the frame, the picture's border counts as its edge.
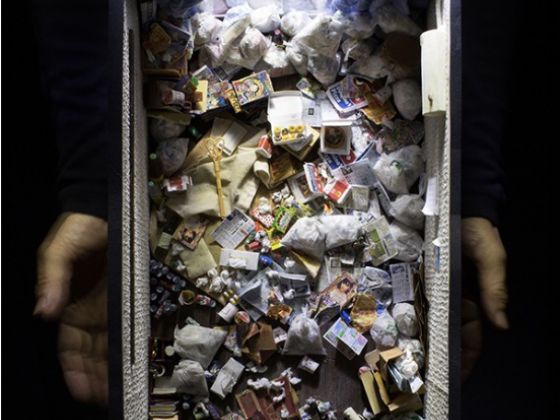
(73, 345)
(492, 278)
(54, 272)
(471, 337)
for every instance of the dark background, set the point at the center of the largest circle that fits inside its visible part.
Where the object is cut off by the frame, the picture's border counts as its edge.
(511, 378)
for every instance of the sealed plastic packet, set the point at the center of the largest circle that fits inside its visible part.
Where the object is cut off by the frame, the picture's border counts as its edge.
(384, 330)
(304, 337)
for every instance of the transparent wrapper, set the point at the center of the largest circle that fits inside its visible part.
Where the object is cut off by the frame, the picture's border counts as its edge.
(266, 19)
(293, 21)
(206, 28)
(378, 283)
(306, 235)
(415, 347)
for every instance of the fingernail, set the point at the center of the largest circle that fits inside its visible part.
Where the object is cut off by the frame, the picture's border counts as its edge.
(501, 320)
(41, 305)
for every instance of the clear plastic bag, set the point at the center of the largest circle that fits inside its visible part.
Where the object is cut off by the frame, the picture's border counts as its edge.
(399, 170)
(415, 347)
(340, 230)
(172, 154)
(188, 377)
(407, 209)
(407, 242)
(304, 337)
(384, 331)
(378, 283)
(405, 318)
(390, 20)
(407, 96)
(206, 28)
(162, 129)
(197, 343)
(293, 21)
(306, 235)
(266, 19)
(275, 62)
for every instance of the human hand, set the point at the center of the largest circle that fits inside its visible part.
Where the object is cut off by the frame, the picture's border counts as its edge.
(71, 287)
(483, 246)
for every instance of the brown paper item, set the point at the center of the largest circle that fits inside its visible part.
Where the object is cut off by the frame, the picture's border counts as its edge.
(405, 402)
(369, 386)
(381, 388)
(310, 264)
(258, 345)
(248, 403)
(363, 312)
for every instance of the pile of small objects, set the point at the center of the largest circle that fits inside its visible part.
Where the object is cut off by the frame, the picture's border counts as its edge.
(287, 184)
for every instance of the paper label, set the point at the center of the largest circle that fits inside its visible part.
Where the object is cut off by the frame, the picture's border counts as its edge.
(403, 284)
(235, 227)
(431, 208)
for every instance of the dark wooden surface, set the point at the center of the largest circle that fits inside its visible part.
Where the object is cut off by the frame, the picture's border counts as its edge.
(336, 380)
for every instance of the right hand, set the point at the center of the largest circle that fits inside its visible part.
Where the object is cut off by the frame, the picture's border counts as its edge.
(72, 288)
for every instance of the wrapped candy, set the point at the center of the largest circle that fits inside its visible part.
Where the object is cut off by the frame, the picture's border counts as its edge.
(405, 318)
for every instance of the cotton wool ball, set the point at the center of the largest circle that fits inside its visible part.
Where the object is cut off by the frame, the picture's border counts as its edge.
(405, 318)
(407, 96)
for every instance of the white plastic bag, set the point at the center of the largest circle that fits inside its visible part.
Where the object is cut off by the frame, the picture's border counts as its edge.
(384, 331)
(172, 154)
(292, 22)
(399, 170)
(266, 19)
(378, 283)
(407, 242)
(390, 20)
(206, 28)
(415, 347)
(297, 57)
(188, 377)
(340, 230)
(320, 36)
(407, 209)
(306, 235)
(407, 96)
(197, 343)
(405, 318)
(304, 337)
(373, 67)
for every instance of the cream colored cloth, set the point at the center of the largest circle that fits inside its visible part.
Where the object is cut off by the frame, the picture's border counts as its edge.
(238, 183)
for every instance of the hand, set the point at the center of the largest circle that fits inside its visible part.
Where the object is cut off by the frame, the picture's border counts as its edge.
(71, 287)
(482, 244)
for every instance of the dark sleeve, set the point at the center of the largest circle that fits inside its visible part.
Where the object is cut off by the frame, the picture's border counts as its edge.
(72, 43)
(488, 38)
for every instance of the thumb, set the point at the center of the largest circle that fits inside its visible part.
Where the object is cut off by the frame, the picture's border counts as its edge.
(492, 278)
(54, 272)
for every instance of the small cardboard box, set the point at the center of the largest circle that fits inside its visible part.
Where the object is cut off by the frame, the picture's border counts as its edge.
(285, 114)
